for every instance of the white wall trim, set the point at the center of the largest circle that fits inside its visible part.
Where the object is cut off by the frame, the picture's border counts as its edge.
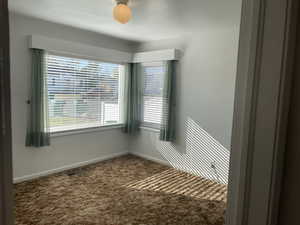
(70, 48)
(68, 167)
(149, 129)
(85, 163)
(160, 55)
(86, 130)
(75, 49)
(151, 158)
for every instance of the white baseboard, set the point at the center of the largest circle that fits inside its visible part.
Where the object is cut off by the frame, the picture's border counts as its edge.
(151, 158)
(68, 167)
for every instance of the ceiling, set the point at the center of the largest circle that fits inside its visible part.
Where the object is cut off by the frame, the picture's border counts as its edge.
(152, 19)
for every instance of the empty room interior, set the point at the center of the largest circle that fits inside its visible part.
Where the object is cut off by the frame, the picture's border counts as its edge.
(122, 110)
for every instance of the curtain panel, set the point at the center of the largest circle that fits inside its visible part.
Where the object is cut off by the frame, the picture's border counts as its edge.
(38, 134)
(167, 127)
(133, 93)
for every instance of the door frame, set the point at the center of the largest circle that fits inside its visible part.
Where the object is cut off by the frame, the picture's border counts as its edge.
(261, 97)
(6, 197)
(264, 72)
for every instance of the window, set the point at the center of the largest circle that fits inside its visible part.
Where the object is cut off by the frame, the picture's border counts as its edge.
(83, 93)
(153, 79)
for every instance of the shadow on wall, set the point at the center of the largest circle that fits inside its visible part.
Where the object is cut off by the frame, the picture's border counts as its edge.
(204, 155)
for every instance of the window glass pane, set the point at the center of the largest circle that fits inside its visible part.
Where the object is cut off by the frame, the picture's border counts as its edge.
(152, 98)
(83, 93)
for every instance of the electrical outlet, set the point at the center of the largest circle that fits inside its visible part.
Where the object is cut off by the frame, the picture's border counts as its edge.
(213, 165)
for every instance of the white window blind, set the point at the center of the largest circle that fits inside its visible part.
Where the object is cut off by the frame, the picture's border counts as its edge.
(153, 76)
(83, 93)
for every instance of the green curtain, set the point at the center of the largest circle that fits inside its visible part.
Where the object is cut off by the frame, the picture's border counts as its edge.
(167, 129)
(133, 89)
(38, 134)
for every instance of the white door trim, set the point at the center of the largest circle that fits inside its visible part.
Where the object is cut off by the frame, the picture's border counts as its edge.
(260, 116)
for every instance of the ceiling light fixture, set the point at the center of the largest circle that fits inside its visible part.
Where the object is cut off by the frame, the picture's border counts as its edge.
(122, 13)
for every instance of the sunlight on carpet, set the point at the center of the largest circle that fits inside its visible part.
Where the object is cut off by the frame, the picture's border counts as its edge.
(176, 182)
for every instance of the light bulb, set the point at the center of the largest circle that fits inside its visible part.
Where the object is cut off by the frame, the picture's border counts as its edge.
(122, 13)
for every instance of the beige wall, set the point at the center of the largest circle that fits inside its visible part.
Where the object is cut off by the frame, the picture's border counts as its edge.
(205, 80)
(66, 150)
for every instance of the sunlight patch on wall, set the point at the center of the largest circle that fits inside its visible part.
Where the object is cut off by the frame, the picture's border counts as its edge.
(204, 156)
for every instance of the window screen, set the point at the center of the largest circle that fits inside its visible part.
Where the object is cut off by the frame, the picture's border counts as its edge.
(83, 93)
(153, 77)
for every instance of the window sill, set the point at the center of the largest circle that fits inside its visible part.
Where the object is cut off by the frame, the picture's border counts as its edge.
(154, 130)
(85, 130)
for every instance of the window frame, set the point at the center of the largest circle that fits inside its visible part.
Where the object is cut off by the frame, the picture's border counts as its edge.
(147, 125)
(121, 97)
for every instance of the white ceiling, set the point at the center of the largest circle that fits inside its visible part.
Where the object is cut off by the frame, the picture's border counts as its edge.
(152, 19)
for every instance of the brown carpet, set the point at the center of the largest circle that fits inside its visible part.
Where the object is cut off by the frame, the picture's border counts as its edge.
(122, 191)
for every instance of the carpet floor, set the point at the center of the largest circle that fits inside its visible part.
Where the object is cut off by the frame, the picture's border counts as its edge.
(124, 191)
